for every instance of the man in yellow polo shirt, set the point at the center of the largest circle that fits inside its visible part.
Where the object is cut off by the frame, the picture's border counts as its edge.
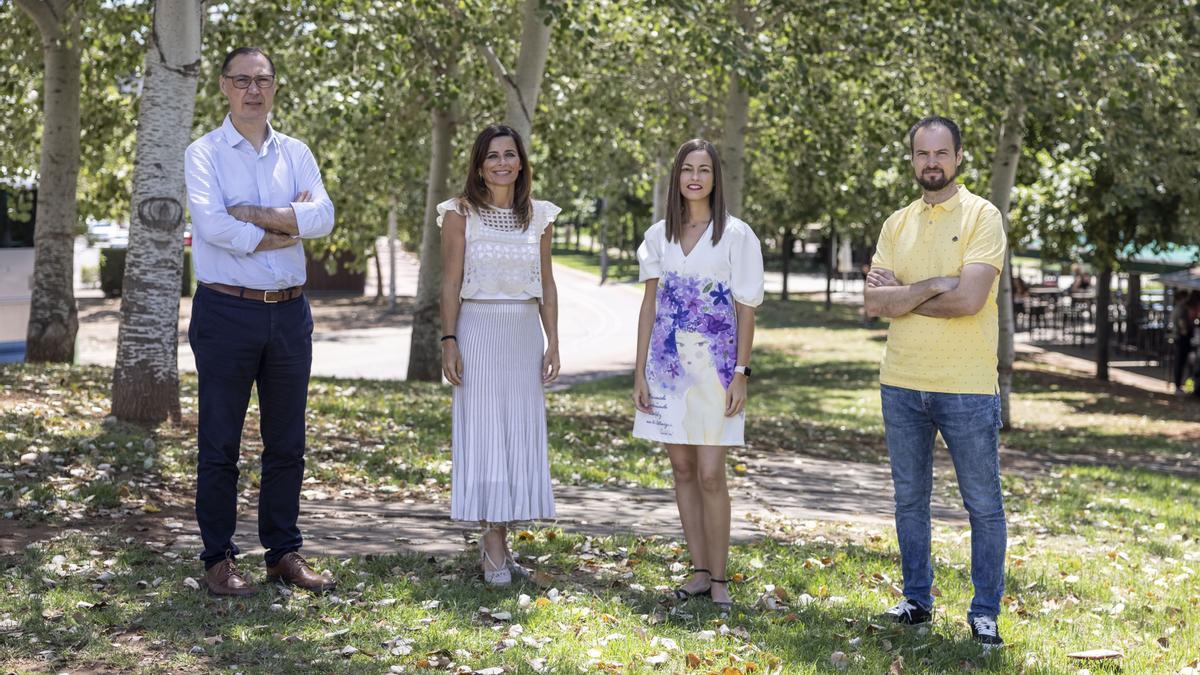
(935, 274)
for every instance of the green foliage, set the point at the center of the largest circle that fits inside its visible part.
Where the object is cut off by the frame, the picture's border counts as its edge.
(1109, 90)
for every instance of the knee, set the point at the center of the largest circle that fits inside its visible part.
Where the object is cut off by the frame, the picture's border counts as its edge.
(684, 472)
(912, 498)
(986, 510)
(218, 460)
(713, 481)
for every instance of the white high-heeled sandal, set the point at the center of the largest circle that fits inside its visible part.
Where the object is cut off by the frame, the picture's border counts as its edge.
(515, 567)
(493, 577)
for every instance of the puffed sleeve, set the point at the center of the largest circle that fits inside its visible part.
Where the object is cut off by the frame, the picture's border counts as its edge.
(650, 253)
(446, 207)
(548, 214)
(746, 260)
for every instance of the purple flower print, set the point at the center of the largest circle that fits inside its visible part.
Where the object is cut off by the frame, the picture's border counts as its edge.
(714, 325)
(720, 295)
(691, 304)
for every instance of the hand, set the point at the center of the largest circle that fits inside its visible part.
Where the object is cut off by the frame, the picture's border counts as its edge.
(452, 364)
(641, 394)
(550, 365)
(273, 241)
(878, 277)
(303, 197)
(735, 395)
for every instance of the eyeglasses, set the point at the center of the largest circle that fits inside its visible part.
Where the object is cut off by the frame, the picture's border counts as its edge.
(263, 82)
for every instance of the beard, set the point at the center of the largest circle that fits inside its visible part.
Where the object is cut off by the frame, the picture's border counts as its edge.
(935, 181)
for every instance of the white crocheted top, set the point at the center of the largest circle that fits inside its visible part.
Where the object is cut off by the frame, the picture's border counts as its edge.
(502, 261)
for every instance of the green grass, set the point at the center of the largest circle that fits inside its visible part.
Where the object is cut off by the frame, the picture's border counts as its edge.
(1102, 540)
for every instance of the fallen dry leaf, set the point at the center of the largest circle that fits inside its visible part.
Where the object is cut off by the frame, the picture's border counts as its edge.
(1096, 654)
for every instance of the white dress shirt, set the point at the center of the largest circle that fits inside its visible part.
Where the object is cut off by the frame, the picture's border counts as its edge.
(222, 170)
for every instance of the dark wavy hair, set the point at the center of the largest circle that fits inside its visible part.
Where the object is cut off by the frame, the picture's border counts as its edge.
(677, 207)
(476, 194)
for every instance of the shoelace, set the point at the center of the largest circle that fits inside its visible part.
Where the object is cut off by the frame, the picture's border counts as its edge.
(985, 626)
(902, 607)
(231, 570)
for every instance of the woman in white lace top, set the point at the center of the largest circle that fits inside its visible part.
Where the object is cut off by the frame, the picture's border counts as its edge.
(498, 296)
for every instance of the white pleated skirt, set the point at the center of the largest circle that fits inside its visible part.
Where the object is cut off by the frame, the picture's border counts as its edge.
(500, 460)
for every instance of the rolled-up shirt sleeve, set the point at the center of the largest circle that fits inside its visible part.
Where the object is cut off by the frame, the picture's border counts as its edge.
(313, 218)
(210, 219)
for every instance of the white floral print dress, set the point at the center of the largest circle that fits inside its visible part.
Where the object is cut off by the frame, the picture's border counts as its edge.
(693, 347)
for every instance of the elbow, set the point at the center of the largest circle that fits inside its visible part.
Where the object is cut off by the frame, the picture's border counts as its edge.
(968, 304)
(324, 225)
(972, 308)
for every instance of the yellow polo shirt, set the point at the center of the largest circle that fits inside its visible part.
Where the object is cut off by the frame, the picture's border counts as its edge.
(918, 242)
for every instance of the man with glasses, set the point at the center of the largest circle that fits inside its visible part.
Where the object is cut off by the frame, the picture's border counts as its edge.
(254, 194)
(935, 274)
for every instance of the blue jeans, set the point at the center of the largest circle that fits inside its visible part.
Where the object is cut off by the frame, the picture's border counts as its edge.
(970, 426)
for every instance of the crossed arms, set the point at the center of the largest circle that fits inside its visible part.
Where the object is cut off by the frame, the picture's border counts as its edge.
(248, 229)
(939, 297)
(279, 223)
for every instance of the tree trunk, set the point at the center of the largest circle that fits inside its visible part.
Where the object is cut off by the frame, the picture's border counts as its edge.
(603, 251)
(736, 121)
(424, 352)
(522, 87)
(1103, 324)
(789, 242)
(830, 258)
(146, 377)
(1009, 139)
(53, 319)
(661, 186)
(391, 248)
(378, 276)
(1133, 312)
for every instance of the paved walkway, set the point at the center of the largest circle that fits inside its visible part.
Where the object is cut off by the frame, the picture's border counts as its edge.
(800, 489)
(354, 339)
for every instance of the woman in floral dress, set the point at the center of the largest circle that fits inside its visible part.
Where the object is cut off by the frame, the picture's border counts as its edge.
(703, 272)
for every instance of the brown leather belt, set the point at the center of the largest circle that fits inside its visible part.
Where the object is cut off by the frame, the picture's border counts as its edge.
(269, 297)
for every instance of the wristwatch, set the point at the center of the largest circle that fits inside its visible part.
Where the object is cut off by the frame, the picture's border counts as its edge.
(745, 370)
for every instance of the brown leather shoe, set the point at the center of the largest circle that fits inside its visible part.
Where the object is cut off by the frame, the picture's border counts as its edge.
(292, 568)
(225, 579)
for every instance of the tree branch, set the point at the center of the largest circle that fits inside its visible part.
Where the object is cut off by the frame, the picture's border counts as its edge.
(46, 17)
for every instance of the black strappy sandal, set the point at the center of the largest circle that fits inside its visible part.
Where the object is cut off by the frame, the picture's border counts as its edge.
(682, 595)
(726, 606)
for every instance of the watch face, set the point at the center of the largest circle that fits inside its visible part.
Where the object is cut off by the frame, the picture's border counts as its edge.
(747, 371)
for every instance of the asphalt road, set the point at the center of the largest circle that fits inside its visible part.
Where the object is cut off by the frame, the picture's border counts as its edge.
(353, 339)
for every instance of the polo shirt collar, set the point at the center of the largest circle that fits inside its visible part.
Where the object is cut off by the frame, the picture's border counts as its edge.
(233, 137)
(950, 205)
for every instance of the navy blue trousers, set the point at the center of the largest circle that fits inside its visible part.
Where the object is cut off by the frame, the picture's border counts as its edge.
(240, 343)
